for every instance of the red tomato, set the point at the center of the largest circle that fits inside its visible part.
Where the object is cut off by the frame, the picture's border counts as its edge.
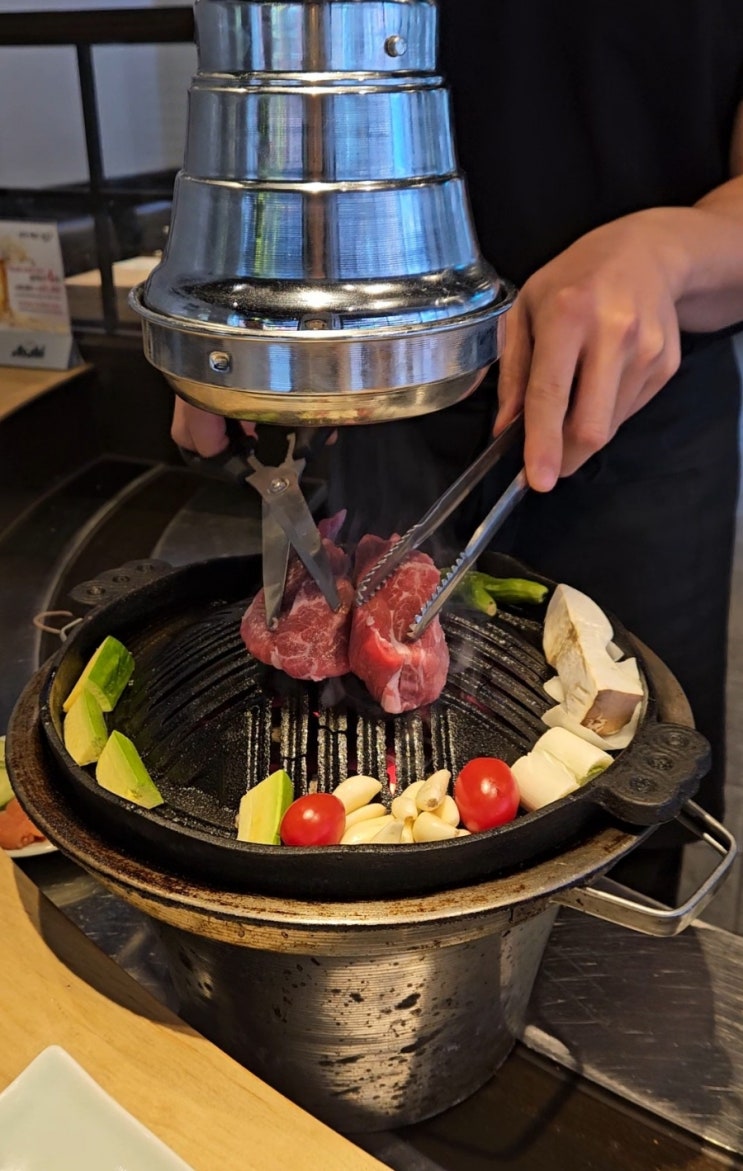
(486, 793)
(318, 819)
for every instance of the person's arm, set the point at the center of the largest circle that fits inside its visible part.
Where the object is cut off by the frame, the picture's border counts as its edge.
(594, 334)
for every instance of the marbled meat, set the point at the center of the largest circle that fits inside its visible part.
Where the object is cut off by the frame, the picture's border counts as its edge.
(308, 640)
(401, 675)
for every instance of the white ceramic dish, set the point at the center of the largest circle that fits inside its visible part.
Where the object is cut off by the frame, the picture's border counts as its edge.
(54, 1115)
(44, 847)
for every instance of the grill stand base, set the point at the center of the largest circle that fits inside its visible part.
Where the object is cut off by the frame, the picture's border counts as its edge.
(363, 1043)
(603, 1006)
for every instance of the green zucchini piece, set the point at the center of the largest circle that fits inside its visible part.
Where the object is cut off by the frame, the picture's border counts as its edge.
(122, 771)
(85, 732)
(263, 807)
(106, 674)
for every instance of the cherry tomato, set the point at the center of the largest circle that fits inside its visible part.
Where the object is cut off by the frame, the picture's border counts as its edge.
(317, 819)
(486, 793)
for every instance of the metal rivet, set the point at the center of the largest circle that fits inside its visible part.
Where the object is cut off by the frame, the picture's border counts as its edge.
(395, 46)
(280, 484)
(220, 361)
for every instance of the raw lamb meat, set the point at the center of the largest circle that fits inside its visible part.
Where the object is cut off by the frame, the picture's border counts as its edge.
(401, 675)
(309, 640)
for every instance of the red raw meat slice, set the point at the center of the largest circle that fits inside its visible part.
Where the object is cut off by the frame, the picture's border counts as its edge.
(401, 675)
(309, 640)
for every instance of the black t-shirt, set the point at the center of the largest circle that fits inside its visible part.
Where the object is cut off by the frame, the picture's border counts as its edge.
(569, 113)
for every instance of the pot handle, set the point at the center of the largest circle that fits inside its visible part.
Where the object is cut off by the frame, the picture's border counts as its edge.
(619, 904)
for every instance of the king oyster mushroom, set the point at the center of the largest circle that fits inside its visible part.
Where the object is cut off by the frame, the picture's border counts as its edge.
(600, 693)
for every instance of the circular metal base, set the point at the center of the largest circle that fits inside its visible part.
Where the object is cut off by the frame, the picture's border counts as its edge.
(324, 377)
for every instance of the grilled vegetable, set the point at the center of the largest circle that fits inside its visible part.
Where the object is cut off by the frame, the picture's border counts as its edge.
(122, 771)
(263, 807)
(432, 791)
(356, 791)
(365, 813)
(6, 791)
(427, 827)
(473, 593)
(106, 675)
(486, 793)
(542, 779)
(317, 819)
(483, 592)
(404, 807)
(559, 717)
(448, 811)
(559, 763)
(84, 730)
(365, 831)
(600, 693)
(390, 834)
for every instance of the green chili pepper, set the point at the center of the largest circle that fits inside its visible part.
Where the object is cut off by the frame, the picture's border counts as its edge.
(483, 592)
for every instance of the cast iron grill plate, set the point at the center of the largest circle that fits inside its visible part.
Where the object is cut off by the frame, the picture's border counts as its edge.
(210, 721)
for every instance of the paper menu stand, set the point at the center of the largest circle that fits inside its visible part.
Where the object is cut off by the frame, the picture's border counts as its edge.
(35, 326)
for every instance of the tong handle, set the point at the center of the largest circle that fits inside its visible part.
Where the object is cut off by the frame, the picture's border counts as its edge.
(471, 477)
(233, 464)
(479, 540)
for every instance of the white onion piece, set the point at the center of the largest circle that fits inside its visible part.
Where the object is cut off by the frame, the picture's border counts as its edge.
(542, 779)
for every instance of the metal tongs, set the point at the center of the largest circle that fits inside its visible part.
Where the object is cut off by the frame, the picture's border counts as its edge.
(287, 521)
(512, 435)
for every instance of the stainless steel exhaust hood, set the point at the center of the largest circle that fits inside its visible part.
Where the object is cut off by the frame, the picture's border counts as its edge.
(322, 265)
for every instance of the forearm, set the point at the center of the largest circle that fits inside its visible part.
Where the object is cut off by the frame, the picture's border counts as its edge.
(702, 250)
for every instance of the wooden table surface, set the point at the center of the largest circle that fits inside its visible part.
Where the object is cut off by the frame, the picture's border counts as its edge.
(19, 385)
(57, 988)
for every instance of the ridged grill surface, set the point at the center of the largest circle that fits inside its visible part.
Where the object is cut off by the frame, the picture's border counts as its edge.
(210, 721)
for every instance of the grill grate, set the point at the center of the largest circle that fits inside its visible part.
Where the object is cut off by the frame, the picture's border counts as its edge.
(211, 722)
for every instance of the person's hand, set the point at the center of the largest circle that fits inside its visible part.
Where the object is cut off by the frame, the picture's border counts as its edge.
(592, 336)
(200, 431)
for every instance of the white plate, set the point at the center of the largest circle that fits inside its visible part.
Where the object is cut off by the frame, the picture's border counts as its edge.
(44, 847)
(54, 1115)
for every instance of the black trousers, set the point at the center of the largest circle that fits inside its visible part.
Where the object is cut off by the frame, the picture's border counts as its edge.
(646, 527)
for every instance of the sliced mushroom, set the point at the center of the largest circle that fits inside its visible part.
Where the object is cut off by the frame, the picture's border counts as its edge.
(600, 693)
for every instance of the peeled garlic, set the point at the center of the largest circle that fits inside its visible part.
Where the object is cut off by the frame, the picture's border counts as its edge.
(390, 833)
(427, 827)
(357, 791)
(404, 806)
(365, 813)
(364, 831)
(447, 811)
(433, 790)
